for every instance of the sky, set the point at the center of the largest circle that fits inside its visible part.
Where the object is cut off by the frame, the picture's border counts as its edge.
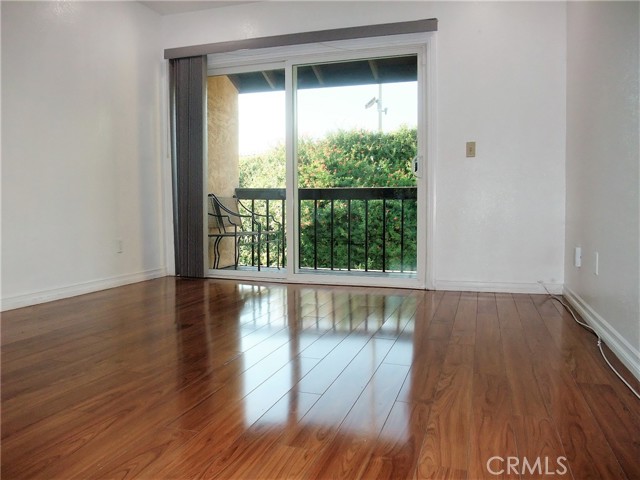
(322, 110)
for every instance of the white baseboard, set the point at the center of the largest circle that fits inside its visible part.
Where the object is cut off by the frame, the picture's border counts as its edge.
(627, 353)
(497, 287)
(34, 298)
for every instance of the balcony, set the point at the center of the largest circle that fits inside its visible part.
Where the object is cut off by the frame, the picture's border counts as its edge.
(341, 229)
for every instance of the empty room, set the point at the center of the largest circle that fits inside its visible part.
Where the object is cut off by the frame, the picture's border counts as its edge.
(320, 239)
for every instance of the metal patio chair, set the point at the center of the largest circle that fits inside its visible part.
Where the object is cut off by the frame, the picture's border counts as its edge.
(229, 218)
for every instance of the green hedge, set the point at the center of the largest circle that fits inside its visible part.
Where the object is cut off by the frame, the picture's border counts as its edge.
(354, 158)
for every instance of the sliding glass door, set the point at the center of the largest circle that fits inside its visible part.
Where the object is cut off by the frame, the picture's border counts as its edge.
(246, 171)
(356, 144)
(314, 171)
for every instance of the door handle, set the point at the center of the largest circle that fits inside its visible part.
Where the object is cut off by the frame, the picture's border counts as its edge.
(417, 170)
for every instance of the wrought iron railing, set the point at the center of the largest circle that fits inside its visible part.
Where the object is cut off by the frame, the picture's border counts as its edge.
(346, 229)
(269, 202)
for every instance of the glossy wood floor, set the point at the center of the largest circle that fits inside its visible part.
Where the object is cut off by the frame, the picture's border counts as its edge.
(214, 379)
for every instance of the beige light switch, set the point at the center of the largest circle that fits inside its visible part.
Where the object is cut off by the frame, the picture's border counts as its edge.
(471, 149)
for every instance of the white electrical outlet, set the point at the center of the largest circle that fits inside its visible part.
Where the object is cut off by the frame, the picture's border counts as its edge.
(577, 257)
(119, 245)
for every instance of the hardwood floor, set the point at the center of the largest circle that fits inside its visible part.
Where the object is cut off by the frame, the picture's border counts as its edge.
(175, 378)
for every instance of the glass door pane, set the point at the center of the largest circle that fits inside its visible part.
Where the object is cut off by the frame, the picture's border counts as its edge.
(356, 141)
(246, 171)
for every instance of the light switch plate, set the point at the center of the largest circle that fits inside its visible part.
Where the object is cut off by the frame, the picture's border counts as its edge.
(471, 149)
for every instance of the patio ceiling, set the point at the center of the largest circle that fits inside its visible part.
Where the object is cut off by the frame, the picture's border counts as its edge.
(337, 74)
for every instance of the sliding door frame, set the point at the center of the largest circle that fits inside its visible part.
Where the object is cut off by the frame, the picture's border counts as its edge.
(422, 45)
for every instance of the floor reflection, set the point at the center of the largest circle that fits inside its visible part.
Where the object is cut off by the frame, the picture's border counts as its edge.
(306, 356)
(294, 358)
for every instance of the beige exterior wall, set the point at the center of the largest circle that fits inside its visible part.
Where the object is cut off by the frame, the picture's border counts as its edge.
(222, 144)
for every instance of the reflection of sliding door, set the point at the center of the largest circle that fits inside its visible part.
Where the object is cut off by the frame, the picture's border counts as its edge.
(246, 171)
(356, 147)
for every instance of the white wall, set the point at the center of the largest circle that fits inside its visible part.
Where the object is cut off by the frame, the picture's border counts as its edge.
(603, 169)
(81, 148)
(501, 76)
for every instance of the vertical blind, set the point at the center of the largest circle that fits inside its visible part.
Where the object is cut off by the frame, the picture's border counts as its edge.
(188, 90)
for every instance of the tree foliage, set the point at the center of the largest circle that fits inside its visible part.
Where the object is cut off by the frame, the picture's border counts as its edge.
(354, 158)
(358, 158)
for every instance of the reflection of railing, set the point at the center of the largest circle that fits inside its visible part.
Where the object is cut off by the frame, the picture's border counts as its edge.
(363, 229)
